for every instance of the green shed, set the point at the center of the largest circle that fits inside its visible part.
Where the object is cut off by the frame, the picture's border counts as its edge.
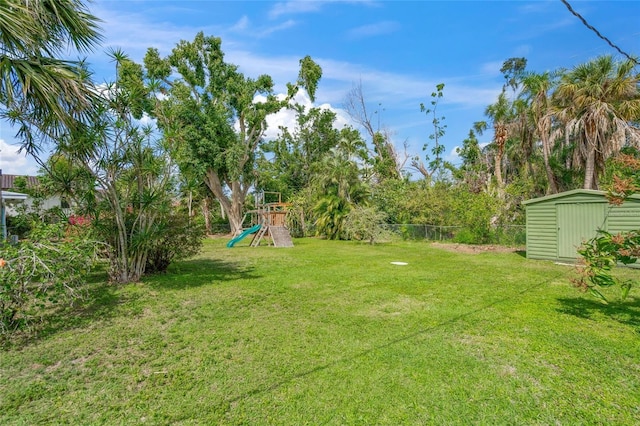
(558, 224)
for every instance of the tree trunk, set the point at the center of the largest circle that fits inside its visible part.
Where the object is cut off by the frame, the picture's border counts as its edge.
(500, 137)
(546, 153)
(590, 170)
(498, 171)
(207, 215)
(232, 207)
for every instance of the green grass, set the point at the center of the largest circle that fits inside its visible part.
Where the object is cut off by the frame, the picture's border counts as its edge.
(333, 333)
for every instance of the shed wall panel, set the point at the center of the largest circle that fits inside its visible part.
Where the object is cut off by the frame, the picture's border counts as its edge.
(541, 231)
(579, 213)
(624, 218)
(578, 222)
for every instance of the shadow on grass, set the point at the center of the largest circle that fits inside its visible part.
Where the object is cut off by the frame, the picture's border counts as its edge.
(522, 253)
(101, 299)
(625, 312)
(227, 404)
(198, 272)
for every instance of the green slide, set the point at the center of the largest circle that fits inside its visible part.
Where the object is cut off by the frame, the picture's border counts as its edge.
(244, 233)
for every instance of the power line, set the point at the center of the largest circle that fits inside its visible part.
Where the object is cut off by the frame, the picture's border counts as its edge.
(584, 21)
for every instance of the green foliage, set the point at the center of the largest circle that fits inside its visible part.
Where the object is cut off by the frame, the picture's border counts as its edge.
(339, 184)
(122, 177)
(178, 238)
(42, 94)
(384, 162)
(332, 333)
(366, 224)
(476, 214)
(436, 163)
(513, 69)
(601, 255)
(45, 270)
(289, 163)
(203, 99)
(331, 212)
(605, 251)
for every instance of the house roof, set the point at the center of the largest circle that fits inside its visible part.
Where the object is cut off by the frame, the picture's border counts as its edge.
(591, 192)
(8, 181)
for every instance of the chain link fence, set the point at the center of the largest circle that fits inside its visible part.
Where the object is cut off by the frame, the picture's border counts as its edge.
(507, 235)
(510, 235)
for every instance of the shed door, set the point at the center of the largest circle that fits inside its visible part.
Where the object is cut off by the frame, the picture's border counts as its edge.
(577, 223)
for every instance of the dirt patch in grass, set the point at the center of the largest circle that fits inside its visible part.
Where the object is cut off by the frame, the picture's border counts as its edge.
(475, 249)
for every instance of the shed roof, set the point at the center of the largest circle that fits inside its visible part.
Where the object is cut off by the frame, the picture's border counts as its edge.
(571, 193)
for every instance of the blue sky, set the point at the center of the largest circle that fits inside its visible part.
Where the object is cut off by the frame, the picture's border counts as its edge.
(398, 50)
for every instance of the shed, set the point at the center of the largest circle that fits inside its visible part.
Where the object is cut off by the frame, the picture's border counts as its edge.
(558, 224)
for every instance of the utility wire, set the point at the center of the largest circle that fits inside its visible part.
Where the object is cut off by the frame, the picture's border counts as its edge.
(584, 21)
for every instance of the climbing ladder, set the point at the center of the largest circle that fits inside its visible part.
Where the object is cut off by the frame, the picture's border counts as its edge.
(257, 237)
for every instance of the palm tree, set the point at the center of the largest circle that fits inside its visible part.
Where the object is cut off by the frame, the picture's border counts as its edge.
(536, 90)
(38, 91)
(499, 113)
(597, 103)
(340, 184)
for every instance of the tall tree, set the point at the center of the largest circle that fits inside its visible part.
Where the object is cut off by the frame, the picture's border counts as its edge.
(473, 170)
(513, 69)
(130, 171)
(499, 114)
(598, 103)
(387, 162)
(39, 93)
(339, 184)
(207, 105)
(537, 90)
(436, 164)
(287, 163)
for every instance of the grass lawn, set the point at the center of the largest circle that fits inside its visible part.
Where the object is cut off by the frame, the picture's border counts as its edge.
(333, 333)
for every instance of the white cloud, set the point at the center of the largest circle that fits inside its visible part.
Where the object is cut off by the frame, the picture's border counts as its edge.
(13, 163)
(404, 89)
(147, 120)
(241, 25)
(287, 117)
(379, 28)
(294, 7)
(309, 6)
(134, 33)
(453, 156)
(492, 68)
(281, 27)
(523, 50)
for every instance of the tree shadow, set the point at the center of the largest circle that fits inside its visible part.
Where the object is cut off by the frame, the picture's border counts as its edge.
(98, 301)
(199, 272)
(625, 312)
(101, 299)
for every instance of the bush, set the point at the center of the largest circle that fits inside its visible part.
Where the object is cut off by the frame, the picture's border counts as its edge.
(366, 224)
(47, 269)
(180, 239)
(466, 236)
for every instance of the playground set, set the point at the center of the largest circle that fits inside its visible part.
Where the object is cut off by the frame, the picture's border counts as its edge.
(267, 222)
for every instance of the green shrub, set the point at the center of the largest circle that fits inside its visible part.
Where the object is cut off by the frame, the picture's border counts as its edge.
(46, 269)
(465, 236)
(366, 224)
(180, 239)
